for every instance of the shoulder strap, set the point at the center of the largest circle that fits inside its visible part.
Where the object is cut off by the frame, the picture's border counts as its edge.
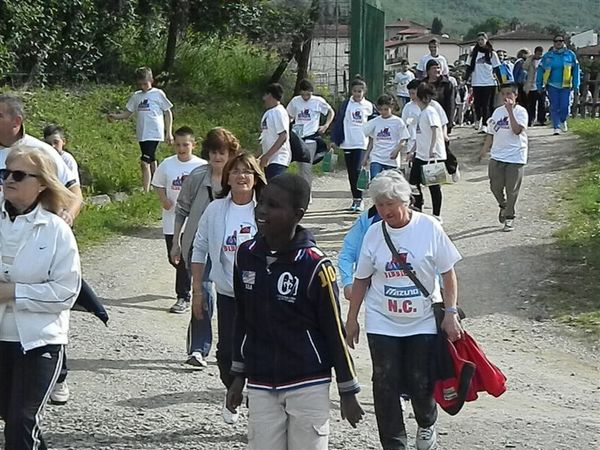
(210, 193)
(411, 274)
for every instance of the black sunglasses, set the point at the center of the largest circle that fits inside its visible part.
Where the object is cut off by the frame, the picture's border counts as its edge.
(559, 40)
(17, 175)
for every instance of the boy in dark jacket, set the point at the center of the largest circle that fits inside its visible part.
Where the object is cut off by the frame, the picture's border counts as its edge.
(288, 333)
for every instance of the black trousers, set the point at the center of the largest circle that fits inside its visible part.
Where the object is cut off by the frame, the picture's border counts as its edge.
(353, 158)
(225, 316)
(402, 365)
(183, 282)
(26, 380)
(435, 190)
(536, 107)
(483, 102)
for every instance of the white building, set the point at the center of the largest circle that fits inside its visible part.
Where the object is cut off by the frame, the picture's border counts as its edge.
(585, 39)
(512, 42)
(413, 49)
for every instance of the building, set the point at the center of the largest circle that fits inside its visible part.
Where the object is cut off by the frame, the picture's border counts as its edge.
(414, 48)
(585, 39)
(512, 42)
(404, 29)
(330, 56)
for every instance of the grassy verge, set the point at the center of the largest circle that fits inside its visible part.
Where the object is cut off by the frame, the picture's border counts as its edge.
(578, 295)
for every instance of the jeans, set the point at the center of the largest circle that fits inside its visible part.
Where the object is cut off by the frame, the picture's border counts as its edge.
(505, 178)
(375, 168)
(402, 365)
(199, 335)
(272, 170)
(225, 315)
(560, 100)
(353, 158)
(483, 100)
(26, 381)
(183, 281)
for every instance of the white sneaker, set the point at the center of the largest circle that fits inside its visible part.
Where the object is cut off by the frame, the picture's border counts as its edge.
(196, 360)
(556, 131)
(483, 129)
(509, 225)
(477, 124)
(564, 127)
(456, 176)
(60, 394)
(229, 417)
(359, 206)
(426, 438)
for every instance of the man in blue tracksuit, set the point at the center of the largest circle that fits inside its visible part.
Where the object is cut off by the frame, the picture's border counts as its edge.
(288, 332)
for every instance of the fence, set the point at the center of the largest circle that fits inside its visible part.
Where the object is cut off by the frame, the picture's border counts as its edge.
(587, 104)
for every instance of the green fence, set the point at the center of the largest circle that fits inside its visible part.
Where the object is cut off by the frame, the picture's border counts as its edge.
(367, 44)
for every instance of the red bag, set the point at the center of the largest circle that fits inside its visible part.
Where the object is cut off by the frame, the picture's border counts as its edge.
(464, 371)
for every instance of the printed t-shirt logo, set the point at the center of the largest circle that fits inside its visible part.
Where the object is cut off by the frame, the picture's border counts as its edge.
(144, 105)
(304, 115)
(263, 124)
(244, 234)
(287, 287)
(502, 123)
(393, 268)
(384, 134)
(178, 182)
(357, 116)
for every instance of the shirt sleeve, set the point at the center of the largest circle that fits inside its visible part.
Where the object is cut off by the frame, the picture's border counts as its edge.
(200, 245)
(131, 104)
(279, 119)
(495, 60)
(403, 130)
(323, 106)
(160, 176)
(291, 108)
(421, 64)
(165, 103)
(350, 251)
(446, 254)
(521, 116)
(369, 128)
(365, 267)
(434, 118)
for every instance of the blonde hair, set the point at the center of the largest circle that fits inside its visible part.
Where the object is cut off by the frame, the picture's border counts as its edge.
(56, 196)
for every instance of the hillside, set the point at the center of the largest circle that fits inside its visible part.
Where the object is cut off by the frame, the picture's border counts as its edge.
(460, 15)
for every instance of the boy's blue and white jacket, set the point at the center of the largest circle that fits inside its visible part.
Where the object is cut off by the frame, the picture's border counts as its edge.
(352, 243)
(288, 331)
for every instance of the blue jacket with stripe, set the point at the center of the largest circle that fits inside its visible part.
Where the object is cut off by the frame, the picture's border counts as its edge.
(288, 331)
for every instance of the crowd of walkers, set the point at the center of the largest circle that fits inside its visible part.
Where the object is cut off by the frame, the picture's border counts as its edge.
(232, 230)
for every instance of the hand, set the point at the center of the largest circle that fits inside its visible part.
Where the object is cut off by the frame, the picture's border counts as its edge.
(198, 305)
(348, 292)
(509, 103)
(67, 217)
(169, 138)
(322, 129)
(394, 154)
(482, 154)
(351, 409)
(364, 163)
(175, 253)
(234, 394)
(451, 326)
(352, 332)
(409, 157)
(167, 204)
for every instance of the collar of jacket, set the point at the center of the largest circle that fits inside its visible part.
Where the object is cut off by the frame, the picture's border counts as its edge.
(31, 214)
(302, 239)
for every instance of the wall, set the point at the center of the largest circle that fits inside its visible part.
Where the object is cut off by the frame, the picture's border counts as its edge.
(416, 51)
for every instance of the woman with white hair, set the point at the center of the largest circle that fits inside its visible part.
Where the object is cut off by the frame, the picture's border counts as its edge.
(400, 324)
(39, 282)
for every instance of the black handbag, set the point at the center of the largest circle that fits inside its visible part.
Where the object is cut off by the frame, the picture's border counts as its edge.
(438, 307)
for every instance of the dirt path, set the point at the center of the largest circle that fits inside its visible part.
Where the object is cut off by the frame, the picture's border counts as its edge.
(130, 390)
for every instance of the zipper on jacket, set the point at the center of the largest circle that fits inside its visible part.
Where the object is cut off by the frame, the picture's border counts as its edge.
(314, 347)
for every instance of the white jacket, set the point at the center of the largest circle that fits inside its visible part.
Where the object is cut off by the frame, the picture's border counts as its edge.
(208, 242)
(47, 276)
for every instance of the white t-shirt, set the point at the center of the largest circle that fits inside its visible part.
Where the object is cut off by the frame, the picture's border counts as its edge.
(306, 114)
(65, 175)
(422, 65)
(394, 305)
(402, 80)
(170, 175)
(507, 146)
(357, 114)
(275, 121)
(410, 116)
(430, 118)
(71, 164)
(239, 228)
(483, 74)
(149, 108)
(387, 135)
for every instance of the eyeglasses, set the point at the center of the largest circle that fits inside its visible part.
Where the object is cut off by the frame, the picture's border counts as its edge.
(17, 175)
(559, 40)
(236, 172)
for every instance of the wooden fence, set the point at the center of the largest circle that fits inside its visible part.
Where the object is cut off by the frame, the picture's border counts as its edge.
(587, 103)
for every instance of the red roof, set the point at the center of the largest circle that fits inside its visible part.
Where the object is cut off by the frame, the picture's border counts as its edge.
(393, 43)
(409, 31)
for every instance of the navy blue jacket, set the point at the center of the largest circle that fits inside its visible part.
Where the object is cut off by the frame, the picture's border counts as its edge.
(288, 332)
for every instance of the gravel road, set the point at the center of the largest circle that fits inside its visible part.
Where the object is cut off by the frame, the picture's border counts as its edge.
(130, 389)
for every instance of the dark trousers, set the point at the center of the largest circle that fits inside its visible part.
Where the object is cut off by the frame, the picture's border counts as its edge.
(353, 158)
(272, 170)
(225, 315)
(402, 365)
(199, 334)
(435, 191)
(183, 281)
(26, 380)
(536, 107)
(483, 102)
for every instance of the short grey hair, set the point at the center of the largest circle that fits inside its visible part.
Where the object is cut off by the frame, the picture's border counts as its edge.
(14, 105)
(390, 184)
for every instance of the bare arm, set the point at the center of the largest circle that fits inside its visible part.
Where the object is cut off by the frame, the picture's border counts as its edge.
(450, 323)
(264, 159)
(70, 213)
(162, 197)
(514, 125)
(487, 145)
(328, 121)
(120, 116)
(365, 160)
(168, 126)
(359, 289)
(197, 295)
(434, 134)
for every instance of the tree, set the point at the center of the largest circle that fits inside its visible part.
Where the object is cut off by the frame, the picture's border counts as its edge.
(437, 26)
(514, 24)
(489, 26)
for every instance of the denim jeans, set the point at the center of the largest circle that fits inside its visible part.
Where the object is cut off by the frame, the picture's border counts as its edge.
(199, 335)
(225, 316)
(375, 168)
(272, 170)
(402, 365)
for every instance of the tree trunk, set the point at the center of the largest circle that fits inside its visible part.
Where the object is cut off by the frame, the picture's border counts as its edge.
(280, 70)
(171, 50)
(302, 53)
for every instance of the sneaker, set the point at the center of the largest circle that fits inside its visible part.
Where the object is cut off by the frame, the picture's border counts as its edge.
(60, 394)
(181, 306)
(229, 417)
(483, 129)
(196, 360)
(501, 216)
(352, 206)
(564, 127)
(359, 206)
(556, 131)
(508, 225)
(426, 438)
(456, 176)
(477, 124)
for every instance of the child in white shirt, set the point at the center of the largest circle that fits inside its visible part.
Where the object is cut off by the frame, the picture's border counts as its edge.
(275, 135)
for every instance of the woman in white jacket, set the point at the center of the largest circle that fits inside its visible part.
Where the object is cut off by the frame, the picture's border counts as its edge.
(226, 223)
(40, 278)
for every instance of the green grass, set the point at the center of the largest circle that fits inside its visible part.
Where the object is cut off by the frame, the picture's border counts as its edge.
(576, 298)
